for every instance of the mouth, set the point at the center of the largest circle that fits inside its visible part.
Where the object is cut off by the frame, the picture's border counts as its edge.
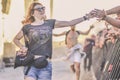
(42, 13)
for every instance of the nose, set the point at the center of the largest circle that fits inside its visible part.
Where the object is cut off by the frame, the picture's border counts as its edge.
(42, 10)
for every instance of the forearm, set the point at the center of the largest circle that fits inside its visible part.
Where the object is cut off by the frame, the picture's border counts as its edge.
(61, 34)
(76, 21)
(59, 24)
(87, 32)
(17, 43)
(113, 10)
(112, 21)
(56, 35)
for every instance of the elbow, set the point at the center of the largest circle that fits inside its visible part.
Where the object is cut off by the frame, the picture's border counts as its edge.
(15, 40)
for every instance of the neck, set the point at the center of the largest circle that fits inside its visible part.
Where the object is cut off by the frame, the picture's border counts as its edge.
(73, 29)
(38, 22)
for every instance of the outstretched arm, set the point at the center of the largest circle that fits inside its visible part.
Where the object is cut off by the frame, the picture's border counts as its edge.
(113, 10)
(59, 24)
(61, 34)
(88, 31)
(103, 15)
(112, 21)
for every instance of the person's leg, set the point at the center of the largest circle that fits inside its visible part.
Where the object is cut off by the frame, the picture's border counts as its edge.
(45, 73)
(89, 62)
(40, 74)
(85, 63)
(77, 61)
(72, 68)
(77, 70)
(31, 75)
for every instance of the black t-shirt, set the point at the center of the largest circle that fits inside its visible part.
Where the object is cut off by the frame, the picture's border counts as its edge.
(39, 38)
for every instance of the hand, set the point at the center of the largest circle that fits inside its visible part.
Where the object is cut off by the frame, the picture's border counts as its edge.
(92, 26)
(98, 13)
(90, 15)
(64, 58)
(23, 50)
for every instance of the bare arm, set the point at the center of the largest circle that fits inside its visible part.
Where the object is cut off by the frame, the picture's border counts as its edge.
(102, 15)
(87, 32)
(61, 34)
(113, 10)
(17, 39)
(59, 24)
(112, 21)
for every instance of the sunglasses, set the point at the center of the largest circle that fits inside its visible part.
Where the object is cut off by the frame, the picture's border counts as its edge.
(40, 9)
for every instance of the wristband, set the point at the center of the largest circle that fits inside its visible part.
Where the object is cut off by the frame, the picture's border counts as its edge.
(85, 18)
(103, 18)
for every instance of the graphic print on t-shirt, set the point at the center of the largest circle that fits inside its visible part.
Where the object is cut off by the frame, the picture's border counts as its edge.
(40, 34)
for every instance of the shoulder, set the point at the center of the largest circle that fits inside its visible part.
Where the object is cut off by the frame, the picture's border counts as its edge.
(25, 27)
(50, 20)
(67, 32)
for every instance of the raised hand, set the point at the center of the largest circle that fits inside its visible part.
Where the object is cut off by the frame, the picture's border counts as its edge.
(92, 26)
(98, 13)
(90, 15)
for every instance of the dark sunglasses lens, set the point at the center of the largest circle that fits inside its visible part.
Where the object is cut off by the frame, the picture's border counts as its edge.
(41, 9)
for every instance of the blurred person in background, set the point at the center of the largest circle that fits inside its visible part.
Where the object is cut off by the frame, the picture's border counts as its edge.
(88, 47)
(74, 48)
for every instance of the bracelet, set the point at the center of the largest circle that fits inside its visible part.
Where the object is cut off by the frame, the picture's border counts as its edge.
(85, 18)
(104, 16)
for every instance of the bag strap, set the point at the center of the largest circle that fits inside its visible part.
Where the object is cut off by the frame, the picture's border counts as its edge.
(28, 68)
